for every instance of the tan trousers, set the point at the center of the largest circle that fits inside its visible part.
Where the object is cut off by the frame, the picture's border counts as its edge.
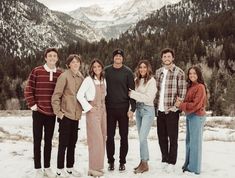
(96, 138)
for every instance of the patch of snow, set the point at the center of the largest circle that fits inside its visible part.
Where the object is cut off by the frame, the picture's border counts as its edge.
(16, 150)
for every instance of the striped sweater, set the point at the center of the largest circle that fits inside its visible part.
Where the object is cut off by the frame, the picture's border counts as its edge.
(39, 89)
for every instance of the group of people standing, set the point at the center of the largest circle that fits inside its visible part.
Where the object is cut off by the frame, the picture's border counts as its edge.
(109, 96)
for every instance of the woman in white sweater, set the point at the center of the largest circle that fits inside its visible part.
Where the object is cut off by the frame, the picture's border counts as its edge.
(144, 94)
(91, 95)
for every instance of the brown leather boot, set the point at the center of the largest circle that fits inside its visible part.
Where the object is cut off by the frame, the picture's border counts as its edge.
(142, 168)
(138, 165)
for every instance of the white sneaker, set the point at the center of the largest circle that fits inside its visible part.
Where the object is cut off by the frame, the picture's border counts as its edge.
(38, 173)
(61, 173)
(170, 168)
(49, 173)
(164, 166)
(73, 172)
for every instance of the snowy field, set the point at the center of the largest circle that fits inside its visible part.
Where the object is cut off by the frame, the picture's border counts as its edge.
(16, 157)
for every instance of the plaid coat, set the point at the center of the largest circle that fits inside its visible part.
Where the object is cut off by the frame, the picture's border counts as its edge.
(175, 86)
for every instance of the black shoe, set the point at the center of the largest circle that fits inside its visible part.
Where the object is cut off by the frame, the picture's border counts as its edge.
(122, 167)
(111, 167)
(186, 170)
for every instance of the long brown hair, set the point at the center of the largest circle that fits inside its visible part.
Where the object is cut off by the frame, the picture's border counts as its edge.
(200, 78)
(92, 73)
(148, 75)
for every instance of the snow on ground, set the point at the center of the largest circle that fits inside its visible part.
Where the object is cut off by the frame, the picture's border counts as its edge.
(16, 156)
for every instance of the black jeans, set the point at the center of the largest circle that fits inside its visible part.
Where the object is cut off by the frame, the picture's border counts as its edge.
(68, 135)
(167, 130)
(115, 115)
(48, 122)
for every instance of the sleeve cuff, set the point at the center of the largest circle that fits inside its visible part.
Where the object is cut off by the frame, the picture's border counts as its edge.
(34, 107)
(88, 108)
(182, 107)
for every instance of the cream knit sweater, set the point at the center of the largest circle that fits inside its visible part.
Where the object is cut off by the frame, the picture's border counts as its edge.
(145, 93)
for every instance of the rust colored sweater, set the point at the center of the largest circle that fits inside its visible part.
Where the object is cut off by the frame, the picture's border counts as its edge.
(195, 100)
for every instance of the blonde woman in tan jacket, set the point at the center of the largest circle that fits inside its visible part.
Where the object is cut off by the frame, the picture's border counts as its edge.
(68, 111)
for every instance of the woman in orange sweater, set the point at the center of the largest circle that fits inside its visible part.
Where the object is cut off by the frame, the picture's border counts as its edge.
(194, 107)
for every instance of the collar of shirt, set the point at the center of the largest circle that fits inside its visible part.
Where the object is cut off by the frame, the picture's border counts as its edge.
(78, 74)
(170, 69)
(48, 69)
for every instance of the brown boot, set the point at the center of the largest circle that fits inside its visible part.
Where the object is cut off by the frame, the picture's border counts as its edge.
(142, 168)
(138, 165)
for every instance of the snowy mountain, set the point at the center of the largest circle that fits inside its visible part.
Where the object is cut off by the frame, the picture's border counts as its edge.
(181, 13)
(135, 10)
(29, 26)
(111, 24)
(88, 14)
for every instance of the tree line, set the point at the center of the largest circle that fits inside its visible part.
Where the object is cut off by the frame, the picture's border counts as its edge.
(209, 43)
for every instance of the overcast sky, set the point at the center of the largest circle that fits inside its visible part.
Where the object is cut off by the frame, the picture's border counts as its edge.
(69, 5)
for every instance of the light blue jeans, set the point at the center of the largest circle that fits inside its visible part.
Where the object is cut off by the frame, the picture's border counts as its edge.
(194, 137)
(144, 120)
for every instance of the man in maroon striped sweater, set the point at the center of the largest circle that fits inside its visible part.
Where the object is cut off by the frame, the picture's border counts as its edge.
(38, 93)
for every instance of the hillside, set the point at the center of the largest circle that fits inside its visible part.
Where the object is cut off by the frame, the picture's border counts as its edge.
(27, 26)
(200, 32)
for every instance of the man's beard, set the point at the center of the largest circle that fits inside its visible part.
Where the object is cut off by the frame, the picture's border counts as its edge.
(168, 64)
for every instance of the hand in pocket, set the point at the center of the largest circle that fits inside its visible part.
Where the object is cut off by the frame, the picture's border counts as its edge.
(93, 109)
